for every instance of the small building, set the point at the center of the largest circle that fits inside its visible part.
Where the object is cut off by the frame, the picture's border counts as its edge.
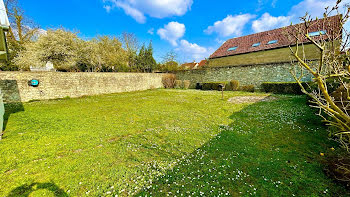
(194, 65)
(47, 68)
(189, 66)
(202, 64)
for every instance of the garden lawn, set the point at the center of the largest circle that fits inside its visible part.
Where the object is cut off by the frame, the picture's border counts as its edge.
(162, 142)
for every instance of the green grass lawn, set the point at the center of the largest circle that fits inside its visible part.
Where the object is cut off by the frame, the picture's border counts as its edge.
(165, 142)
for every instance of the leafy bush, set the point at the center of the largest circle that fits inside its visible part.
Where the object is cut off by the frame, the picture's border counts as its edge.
(57, 46)
(234, 85)
(187, 84)
(248, 88)
(282, 87)
(178, 84)
(169, 66)
(169, 81)
(215, 85)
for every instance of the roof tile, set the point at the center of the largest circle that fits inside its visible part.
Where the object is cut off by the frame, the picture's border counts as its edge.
(245, 44)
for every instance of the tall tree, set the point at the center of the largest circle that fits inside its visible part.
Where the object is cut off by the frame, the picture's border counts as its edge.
(151, 63)
(131, 45)
(145, 59)
(112, 57)
(140, 60)
(59, 47)
(22, 31)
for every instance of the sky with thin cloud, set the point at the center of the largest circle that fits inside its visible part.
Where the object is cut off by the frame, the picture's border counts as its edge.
(194, 29)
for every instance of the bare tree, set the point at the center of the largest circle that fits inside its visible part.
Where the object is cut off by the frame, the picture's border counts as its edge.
(131, 46)
(22, 27)
(170, 56)
(331, 72)
(21, 31)
(169, 62)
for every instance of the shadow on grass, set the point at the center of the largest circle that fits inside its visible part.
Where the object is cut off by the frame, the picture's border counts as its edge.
(10, 101)
(26, 190)
(270, 149)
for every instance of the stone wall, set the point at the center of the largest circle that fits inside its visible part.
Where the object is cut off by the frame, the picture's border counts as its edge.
(15, 88)
(246, 75)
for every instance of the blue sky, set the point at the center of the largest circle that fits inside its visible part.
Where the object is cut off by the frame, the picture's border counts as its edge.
(192, 28)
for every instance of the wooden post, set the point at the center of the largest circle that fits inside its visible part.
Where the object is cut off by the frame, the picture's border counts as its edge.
(222, 86)
(222, 93)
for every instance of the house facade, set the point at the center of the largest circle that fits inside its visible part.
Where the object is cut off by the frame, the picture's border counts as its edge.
(263, 57)
(273, 46)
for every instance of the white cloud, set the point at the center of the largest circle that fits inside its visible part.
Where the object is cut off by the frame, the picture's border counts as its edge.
(131, 11)
(219, 41)
(268, 22)
(231, 25)
(153, 8)
(193, 51)
(172, 32)
(41, 32)
(36, 34)
(315, 8)
(151, 31)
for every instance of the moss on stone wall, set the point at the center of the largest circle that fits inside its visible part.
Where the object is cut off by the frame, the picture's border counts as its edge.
(246, 75)
(14, 85)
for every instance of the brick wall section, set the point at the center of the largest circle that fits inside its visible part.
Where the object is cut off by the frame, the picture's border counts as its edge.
(15, 88)
(246, 75)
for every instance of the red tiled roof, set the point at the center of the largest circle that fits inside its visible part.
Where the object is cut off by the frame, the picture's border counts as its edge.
(244, 44)
(188, 65)
(202, 63)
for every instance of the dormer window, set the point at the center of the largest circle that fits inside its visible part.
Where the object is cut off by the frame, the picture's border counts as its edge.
(272, 42)
(317, 33)
(232, 49)
(256, 44)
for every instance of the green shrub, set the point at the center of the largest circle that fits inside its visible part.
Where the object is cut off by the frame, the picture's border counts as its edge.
(206, 86)
(187, 84)
(178, 84)
(248, 88)
(169, 81)
(234, 85)
(282, 87)
(215, 85)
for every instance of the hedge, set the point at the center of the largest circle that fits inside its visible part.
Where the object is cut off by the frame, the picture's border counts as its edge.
(282, 87)
(216, 85)
(247, 88)
(234, 85)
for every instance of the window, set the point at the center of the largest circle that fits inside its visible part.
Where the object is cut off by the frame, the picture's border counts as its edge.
(256, 44)
(272, 42)
(232, 49)
(317, 33)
